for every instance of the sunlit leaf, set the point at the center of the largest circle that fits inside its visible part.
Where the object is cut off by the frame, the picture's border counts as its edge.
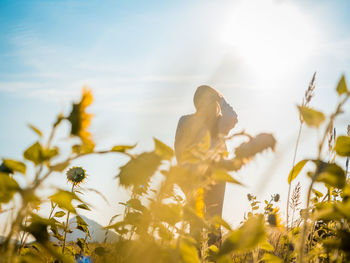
(330, 173)
(163, 150)
(223, 176)
(8, 187)
(311, 117)
(36, 130)
(64, 200)
(100, 251)
(327, 211)
(59, 214)
(83, 206)
(81, 224)
(296, 170)
(38, 228)
(122, 148)
(269, 258)
(342, 146)
(266, 246)
(342, 86)
(188, 252)
(34, 153)
(255, 145)
(169, 213)
(15, 166)
(37, 154)
(245, 238)
(135, 204)
(217, 220)
(164, 232)
(317, 193)
(139, 170)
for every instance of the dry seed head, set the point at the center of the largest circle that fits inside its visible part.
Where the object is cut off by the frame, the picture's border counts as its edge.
(76, 175)
(309, 93)
(348, 129)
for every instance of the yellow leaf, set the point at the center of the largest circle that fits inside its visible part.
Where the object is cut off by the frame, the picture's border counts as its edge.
(342, 86)
(311, 117)
(15, 166)
(296, 170)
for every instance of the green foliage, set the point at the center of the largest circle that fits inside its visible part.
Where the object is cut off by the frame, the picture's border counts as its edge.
(64, 200)
(296, 170)
(342, 86)
(8, 187)
(342, 146)
(37, 154)
(311, 117)
(329, 173)
(167, 220)
(15, 166)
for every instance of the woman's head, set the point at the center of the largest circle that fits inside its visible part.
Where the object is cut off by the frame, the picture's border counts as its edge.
(206, 99)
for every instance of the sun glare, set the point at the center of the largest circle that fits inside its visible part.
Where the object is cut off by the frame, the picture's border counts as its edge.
(272, 38)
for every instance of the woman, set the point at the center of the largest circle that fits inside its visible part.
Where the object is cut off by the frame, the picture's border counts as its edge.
(214, 115)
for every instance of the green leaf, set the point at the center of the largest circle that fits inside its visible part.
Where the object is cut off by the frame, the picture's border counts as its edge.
(342, 146)
(8, 187)
(317, 193)
(169, 213)
(223, 176)
(217, 220)
(83, 206)
(330, 174)
(38, 228)
(37, 154)
(64, 200)
(189, 253)
(100, 251)
(269, 258)
(36, 130)
(163, 150)
(342, 86)
(296, 170)
(34, 153)
(138, 171)
(266, 246)
(247, 237)
(59, 214)
(311, 117)
(135, 204)
(164, 232)
(255, 145)
(122, 148)
(15, 165)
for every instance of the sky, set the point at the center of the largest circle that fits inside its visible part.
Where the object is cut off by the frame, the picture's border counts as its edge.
(143, 61)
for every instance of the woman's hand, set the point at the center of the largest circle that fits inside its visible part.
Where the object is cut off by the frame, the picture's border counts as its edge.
(228, 119)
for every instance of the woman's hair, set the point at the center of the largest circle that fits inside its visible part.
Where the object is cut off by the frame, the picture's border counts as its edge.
(205, 91)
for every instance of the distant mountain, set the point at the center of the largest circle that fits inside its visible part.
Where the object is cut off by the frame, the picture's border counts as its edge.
(96, 231)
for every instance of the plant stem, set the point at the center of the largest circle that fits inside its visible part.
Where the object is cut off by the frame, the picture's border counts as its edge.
(314, 177)
(66, 226)
(293, 163)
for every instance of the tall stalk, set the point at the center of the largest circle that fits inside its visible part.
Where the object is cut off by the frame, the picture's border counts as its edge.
(309, 93)
(66, 226)
(338, 111)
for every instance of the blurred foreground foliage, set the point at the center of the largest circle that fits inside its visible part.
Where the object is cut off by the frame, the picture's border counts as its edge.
(158, 217)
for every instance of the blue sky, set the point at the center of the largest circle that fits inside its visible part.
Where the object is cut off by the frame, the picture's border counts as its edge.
(144, 59)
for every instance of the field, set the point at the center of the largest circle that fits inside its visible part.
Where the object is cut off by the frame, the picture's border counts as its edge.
(167, 222)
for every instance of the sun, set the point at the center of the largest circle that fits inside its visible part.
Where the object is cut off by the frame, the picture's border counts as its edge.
(272, 38)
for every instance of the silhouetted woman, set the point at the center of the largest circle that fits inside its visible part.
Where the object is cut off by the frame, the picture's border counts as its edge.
(214, 115)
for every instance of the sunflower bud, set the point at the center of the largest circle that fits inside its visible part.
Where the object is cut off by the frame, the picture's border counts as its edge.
(76, 175)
